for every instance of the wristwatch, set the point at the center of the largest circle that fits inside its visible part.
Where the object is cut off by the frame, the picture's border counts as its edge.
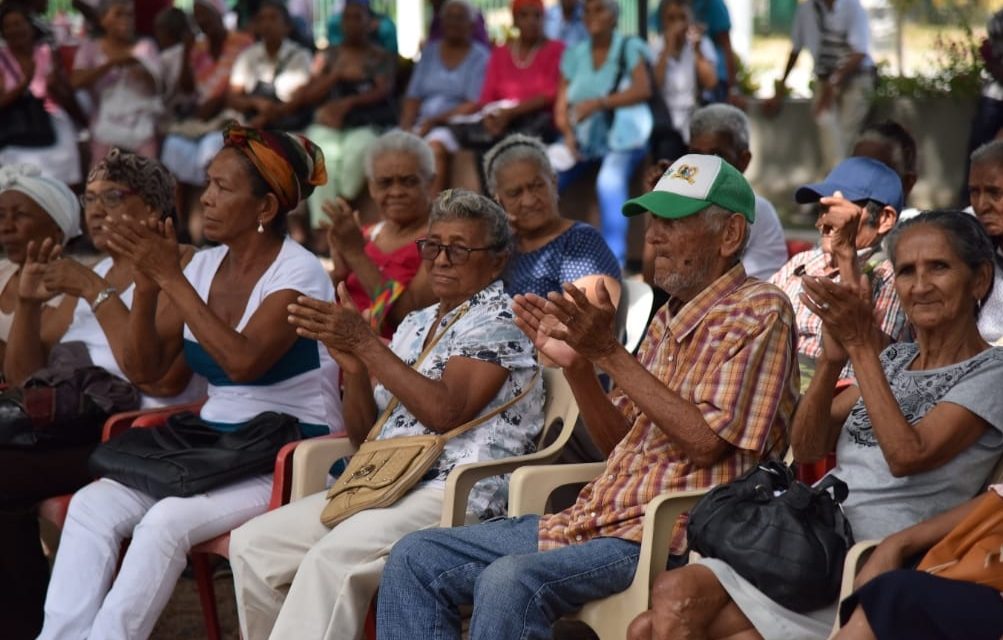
(102, 295)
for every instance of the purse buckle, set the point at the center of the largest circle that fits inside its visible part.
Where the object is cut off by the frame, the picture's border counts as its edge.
(364, 471)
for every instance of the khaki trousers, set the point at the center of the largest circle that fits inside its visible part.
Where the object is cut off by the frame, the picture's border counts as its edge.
(295, 578)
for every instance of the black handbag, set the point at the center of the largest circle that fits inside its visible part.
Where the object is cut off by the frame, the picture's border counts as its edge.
(186, 456)
(788, 539)
(25, 122)
(62, 407)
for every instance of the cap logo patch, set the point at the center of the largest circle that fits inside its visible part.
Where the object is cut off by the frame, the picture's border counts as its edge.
(685, 172)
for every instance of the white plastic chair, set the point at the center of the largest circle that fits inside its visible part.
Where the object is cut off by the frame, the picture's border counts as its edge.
(529, 490)
(314, 457)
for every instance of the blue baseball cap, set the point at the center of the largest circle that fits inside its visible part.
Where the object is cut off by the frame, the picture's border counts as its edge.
(857, 179)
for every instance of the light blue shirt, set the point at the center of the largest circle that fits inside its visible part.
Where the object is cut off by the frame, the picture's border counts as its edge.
(570, 32)
(440, 88)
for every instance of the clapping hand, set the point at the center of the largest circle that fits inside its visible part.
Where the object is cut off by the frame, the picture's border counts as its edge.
(72, 278)
(567, 328)
(344, 233)
(338, 325)
(150, 246)
(846, 312)
(31, 284)
(839, 224)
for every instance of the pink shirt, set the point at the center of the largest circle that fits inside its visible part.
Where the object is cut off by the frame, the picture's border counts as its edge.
(504, 80)
(11, 73)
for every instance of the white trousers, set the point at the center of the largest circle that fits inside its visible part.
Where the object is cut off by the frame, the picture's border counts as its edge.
(839, 126)
(82, 602)
(295, 578)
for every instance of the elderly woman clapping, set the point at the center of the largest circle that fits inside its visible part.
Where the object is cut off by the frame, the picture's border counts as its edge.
(297, 578)
(33, 207)
(917, 435)
(549, 250)
(93, 313)
(225, 315)
(380, 264)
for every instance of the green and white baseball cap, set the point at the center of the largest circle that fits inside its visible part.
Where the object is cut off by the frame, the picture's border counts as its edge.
(693, 183)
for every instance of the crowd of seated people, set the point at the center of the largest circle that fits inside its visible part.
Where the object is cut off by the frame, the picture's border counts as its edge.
(440, 309)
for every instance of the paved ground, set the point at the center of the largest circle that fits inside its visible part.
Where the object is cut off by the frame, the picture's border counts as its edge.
(182, 620)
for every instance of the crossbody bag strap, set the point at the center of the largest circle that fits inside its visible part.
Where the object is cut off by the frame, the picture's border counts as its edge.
(479, 420)
(375, 431)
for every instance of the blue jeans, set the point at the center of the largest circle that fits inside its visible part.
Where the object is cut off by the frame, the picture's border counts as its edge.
(517, 591)
(611, 188)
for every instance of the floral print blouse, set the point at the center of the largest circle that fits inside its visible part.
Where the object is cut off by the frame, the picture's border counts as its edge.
(485, 332)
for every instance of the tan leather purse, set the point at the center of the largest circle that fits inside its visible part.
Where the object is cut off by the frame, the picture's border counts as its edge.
(382, 471)
(972, 550)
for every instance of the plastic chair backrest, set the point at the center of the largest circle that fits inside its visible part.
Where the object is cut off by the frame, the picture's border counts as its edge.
(636, 299)
(559, 405)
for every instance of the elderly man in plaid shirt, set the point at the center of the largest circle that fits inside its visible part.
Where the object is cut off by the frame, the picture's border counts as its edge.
(711, 393)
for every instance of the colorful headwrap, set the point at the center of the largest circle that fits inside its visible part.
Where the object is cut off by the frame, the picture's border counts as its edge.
(518, 5)
(290, 164)
(151, 181)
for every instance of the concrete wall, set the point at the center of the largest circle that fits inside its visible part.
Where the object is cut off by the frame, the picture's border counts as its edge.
(786, 153)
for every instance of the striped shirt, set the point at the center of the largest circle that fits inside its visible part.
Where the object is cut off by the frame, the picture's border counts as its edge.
(731, 352)
(888, 309)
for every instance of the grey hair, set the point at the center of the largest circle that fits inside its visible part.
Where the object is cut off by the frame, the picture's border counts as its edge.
(968, 239)
(460, 204)
(989, 153)
(399, 141)
(613, 6)
(715, 217)
(722, 118)
(469, 8)
(517, 147)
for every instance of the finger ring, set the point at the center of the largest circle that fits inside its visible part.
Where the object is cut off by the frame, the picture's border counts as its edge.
(824, 306)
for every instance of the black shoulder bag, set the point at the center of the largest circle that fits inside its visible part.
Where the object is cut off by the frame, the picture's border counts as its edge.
(25, 122)
(786, 538)
(186, 456)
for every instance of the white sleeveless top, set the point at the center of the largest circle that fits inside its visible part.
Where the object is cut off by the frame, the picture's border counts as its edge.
(302, 383)
(86, 328)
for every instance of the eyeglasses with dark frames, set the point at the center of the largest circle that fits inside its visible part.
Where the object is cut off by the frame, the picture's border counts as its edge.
(455, 253)
(109, 199)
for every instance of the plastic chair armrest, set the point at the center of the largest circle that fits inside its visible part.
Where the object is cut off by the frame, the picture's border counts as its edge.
(462, 479)
(311, 462)
(856, 557)
(119, 422)
(530, 487)
(660, 517)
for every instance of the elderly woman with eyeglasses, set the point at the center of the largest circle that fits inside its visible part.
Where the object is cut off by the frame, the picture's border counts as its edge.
(94, 312)
(295, 577)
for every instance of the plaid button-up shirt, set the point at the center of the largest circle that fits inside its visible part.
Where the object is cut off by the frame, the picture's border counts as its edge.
(731, 351)
(887, 308)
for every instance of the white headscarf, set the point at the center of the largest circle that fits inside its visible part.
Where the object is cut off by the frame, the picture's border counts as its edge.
(54, 197)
